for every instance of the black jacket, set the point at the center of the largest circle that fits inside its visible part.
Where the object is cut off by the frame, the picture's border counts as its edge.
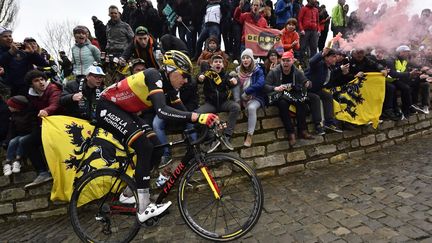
(216, 94)
(85, 108)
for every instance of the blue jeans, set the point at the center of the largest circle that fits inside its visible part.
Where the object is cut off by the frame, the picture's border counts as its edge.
(15, 148)
(159, 128)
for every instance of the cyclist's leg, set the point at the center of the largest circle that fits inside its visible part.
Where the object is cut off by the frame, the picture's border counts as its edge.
(124, 127)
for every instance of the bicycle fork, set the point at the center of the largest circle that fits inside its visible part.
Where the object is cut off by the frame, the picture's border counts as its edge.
(211, 181)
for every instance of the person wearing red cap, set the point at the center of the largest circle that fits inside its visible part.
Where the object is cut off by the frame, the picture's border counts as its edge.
(286, 77)
(20, 127)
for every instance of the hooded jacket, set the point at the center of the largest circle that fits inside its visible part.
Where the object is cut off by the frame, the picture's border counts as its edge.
(288, 38)
(206, 54)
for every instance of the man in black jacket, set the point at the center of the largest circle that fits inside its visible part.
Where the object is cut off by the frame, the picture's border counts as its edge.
(79, 96)
(287, 77)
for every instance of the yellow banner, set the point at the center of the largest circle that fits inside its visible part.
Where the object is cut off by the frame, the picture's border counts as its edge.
(64, 141)
(360, 101)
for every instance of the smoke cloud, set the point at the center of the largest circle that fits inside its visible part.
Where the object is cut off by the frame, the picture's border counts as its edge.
(387, 25)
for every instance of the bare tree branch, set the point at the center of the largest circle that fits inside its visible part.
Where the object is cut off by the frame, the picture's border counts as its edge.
(57, 37)
(8, 12)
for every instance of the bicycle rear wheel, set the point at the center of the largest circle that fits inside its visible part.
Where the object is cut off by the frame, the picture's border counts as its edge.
(95, 211)
(239, 206)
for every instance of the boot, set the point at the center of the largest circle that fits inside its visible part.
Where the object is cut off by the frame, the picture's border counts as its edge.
(248, 140)
(291, 139)
(305, 135)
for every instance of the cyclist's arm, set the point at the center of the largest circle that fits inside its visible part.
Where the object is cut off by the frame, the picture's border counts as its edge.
(164, 111)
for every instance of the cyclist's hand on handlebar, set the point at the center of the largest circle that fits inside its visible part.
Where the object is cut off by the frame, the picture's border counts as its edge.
(208, 119)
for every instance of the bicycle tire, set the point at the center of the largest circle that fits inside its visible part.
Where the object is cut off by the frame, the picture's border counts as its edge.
(241, 191)
(89, 220)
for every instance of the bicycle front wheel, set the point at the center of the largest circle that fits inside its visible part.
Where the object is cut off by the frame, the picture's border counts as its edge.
(239, 206)
(96, 211)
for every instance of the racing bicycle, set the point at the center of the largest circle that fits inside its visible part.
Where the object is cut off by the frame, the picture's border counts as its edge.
(219, 196)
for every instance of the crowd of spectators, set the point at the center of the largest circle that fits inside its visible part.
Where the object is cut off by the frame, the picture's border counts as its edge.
(137, 36)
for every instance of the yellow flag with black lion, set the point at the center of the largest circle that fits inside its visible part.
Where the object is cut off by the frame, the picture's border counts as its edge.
(71, 152)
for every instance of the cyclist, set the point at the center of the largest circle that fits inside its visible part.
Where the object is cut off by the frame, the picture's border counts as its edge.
(117, 112)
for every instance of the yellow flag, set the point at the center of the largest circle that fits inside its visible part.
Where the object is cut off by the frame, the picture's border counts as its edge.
(63, 140)
(360, 101)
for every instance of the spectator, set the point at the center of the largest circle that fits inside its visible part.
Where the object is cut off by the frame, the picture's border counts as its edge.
(217, 89)
(79, 96)
(198, 12)
(339, 17)
(84, 54)
(21, 124)
(118, 33)
(143, 46)
(39, 50)
(272, 60)
(171, 42)
(146, 15)
(253, 17)
(65, 64)
(137, 65)
(211, 25)
(388, 110)
(269, 14)
(321, 74)
(100, 33)
(324, 26)
(290, 38)
(212, 48)
(17, 59)
(4, 110)
(44, 98)
(308, 21)
(251, 81)
(400, 75)
(287, 77)
(183, 9)
(284, 10)
(188, 101)
(228, 25)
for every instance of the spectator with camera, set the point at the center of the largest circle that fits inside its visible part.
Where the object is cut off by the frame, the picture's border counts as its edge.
(143, 46)
(286, 77)
(84, 54)
(17, 59)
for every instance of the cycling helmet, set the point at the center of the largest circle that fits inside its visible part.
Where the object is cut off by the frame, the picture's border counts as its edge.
(177, 60)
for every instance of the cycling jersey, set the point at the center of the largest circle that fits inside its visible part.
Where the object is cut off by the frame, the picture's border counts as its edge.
(143, 91)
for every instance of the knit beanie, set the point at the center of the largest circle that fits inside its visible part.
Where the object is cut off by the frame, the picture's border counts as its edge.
(18, 102)
(247, 52)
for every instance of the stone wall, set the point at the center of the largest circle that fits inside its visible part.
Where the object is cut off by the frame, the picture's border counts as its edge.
(270, 154)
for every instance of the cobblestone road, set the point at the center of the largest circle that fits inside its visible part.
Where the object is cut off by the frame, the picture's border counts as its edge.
(383, 197)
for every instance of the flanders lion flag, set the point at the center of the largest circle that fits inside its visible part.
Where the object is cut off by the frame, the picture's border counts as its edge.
(360, 101)
(64, 141)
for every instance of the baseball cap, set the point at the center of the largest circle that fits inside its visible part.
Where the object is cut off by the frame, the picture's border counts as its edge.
(288, 55)
(141, 30)
(4, 30)
(95, 70)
